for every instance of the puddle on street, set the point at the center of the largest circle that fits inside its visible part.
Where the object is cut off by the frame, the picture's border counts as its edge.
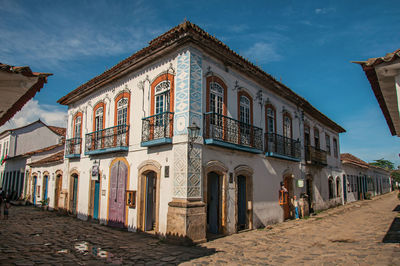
(86, 248)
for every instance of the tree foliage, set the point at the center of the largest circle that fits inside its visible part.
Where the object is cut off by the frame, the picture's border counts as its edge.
(386, 164)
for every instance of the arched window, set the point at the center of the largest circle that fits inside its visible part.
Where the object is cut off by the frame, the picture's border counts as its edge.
(162, 94)
(245, 110)
(77, 125)
(98, 119)
(162, 97)
(121, 116)
(316, 138)
(122, 111)
(338, 187)
(216, 96)
(287, 125)
(270, 116)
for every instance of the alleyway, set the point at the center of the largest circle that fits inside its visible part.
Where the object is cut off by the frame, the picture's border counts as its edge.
(351, 234)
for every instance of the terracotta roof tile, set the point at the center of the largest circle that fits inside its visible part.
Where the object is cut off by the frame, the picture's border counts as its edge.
(378, 60)
(58, 157)
(58, 130)
(350, 158)
(189, 31)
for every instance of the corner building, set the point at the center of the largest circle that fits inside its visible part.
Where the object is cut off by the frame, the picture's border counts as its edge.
(132, 164)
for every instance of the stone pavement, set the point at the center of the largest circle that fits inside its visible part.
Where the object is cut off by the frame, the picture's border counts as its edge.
(351, 234)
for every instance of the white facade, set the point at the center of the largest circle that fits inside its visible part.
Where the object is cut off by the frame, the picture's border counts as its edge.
(191, 71)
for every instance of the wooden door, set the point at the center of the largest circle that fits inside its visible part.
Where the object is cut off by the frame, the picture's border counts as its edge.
(286, 206)
(213, 203)
(57, 192)
(241, 202)
(116, 209)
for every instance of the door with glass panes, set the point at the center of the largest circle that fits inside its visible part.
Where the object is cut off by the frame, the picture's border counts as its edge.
(245, 126)
(161, 109)
(216, 111)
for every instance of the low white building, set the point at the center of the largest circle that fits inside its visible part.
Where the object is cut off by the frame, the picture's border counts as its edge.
(361, 178)
(130, 160)
(18, 145)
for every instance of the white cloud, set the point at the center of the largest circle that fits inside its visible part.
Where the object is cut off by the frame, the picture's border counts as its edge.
(263, 52)
(58, 36)
(51, 115)
(324, 10)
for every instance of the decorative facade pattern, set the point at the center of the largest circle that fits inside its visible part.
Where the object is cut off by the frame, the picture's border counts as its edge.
(194, 173)
(182, 94)
(180, 171)
(188, 110)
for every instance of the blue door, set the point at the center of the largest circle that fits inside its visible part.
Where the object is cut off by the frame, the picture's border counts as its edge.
(344, 188)
(96, 200)
(242, 208)
(46, 182)
(34, 190)
(213, 203)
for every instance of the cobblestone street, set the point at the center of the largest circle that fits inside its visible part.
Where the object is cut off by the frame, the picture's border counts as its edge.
(351, 234)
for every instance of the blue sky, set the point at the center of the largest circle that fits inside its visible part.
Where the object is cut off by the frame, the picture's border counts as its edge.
(309, 45)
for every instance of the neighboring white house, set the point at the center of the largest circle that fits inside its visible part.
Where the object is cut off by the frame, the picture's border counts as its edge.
(18, 145)
(130, 161)
(361, 178)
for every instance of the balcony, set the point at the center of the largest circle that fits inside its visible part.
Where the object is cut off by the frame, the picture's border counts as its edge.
(157, 129)
(230, 133)
(111, 139)
(282, 147)
(315, 156)
(73, 148)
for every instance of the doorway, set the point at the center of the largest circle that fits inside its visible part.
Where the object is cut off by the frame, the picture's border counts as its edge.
(57, 191)
(242, 203)
(213, 203)
(309, 191)
(34, 189)
(74, 194)
(45, 186)
(150, 201)
(116, 207)
(286, 207)
(94, 199)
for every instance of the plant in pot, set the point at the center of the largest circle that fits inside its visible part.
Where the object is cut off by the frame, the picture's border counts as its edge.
(44, 203)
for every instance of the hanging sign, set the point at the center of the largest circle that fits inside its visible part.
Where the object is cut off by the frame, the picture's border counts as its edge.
(300, 183)
(95, 172)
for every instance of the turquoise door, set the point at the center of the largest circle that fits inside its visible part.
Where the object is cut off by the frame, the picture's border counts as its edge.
(75, 194)
(96, 200)
(34, 190)
(46, 183)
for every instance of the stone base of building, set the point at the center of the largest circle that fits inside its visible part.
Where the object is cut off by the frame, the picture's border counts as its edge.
(186, 221)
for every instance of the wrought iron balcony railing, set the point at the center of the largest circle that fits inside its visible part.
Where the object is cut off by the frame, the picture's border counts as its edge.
(224, 130)
(110, 139)
(157, 129)
(277, 145)
(315, 156)
(73, 147)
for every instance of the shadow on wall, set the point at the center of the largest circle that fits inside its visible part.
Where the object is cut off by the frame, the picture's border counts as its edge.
(393, 234)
